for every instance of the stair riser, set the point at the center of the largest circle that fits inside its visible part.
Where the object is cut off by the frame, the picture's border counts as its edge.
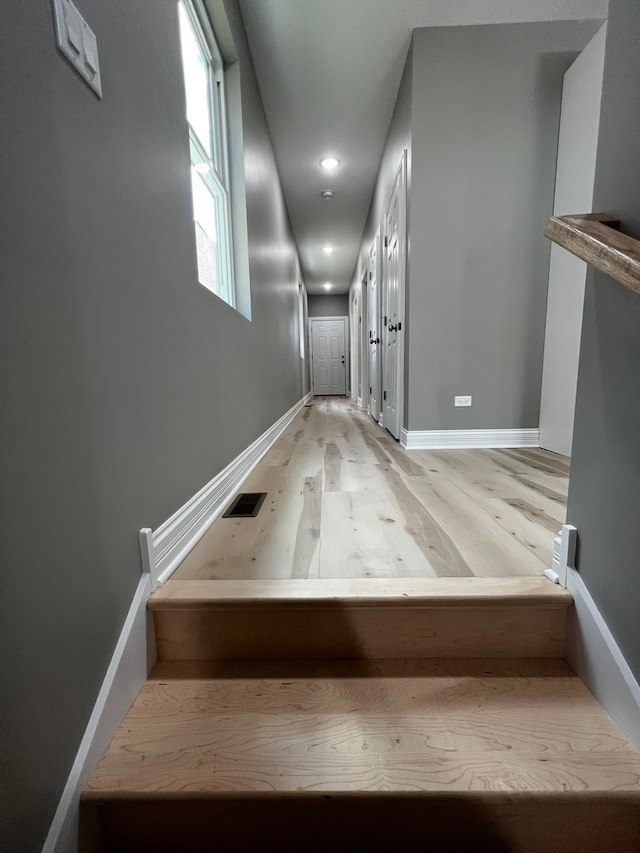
(357, 633)
(407, 823)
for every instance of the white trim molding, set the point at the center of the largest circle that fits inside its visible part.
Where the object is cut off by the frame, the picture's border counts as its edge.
(163, 550)
(597, 659)
(460, 439)
(134, 655)
(348, 378)
(131, 663)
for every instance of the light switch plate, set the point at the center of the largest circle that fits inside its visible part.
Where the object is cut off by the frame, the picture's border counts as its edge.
(77, 42)
(465, 400)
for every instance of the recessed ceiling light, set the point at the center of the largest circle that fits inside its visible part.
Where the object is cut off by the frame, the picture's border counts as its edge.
(329, 163)
(202, 168)
(327, 286)
(328, 250)
(327, 195)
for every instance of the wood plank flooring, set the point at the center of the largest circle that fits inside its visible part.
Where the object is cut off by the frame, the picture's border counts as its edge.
(475, 730)
(344, 500)
(520, 745)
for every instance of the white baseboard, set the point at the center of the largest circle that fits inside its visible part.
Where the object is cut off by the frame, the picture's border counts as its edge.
(458, 439)
(134, 655)
(132, 660)
(165, 548)
(596, 657)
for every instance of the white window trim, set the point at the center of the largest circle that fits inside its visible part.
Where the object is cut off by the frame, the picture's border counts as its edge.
(217, 178)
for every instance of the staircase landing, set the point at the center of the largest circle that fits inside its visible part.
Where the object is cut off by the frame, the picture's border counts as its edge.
(344, 500)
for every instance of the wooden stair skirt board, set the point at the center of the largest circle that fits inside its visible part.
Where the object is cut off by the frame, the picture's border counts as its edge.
(359, 619)
(469, 755)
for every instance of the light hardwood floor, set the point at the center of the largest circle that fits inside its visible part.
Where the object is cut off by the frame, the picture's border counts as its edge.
(344, 500)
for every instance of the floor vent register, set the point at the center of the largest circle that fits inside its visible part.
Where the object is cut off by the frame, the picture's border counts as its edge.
(246, 505)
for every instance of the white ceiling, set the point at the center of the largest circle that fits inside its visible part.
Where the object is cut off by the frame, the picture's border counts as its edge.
(329, 72)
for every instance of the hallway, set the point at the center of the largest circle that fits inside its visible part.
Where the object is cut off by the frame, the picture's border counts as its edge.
(443, 708)
(344, 500)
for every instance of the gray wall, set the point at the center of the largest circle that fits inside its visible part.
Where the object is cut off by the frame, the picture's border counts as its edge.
(331, 305)
(486, 106)
(126, 386)
(604, 492)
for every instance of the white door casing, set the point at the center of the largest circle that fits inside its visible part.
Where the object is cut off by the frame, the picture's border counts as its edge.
(354, 361)
(373, 330)
(363, 346)
(328, 354)
(575, 178)
(393, 281)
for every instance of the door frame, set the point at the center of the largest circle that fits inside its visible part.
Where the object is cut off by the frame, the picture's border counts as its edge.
(354, 348)
(358, 317)
(401, 177)
(371, 308)
(346, 349)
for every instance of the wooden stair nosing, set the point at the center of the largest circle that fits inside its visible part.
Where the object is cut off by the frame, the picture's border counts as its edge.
(359, 593)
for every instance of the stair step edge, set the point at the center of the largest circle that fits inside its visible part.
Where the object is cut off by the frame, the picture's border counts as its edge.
(360, 593)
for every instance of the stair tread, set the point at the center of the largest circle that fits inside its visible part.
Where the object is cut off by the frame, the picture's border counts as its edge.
(487, 730)
(359, 592)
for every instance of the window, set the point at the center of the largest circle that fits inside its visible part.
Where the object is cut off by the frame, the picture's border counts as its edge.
(204, 85)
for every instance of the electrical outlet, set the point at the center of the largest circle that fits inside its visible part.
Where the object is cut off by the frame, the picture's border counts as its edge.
(462, 401)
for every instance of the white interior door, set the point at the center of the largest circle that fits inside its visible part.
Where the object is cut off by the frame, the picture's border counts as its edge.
(393, 305)
(374, 334)
(575, 177)
(328, 353)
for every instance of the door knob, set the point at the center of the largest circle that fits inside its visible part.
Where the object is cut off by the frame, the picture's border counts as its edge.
(392, 328)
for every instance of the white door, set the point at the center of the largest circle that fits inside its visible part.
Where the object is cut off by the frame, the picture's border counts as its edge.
(392, 301)
(328, 354)
(373, 323)
(575, 177)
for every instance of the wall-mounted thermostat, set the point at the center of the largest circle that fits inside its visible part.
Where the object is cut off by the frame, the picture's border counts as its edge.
(77, 42)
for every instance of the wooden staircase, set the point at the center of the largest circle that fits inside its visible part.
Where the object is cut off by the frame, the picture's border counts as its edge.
(426, 715)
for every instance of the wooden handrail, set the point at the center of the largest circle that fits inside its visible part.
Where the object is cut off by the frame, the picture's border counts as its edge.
(596, 238)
